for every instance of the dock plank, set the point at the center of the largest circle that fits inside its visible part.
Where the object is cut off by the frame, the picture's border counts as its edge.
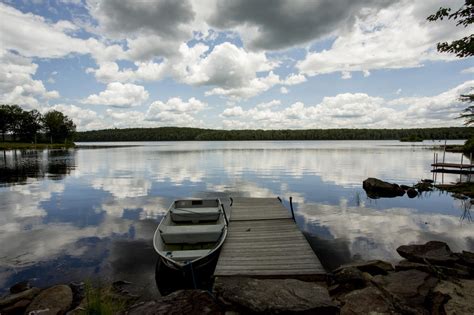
(264, 241)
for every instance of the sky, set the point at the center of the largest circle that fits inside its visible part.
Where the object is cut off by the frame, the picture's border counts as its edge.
(234, 64)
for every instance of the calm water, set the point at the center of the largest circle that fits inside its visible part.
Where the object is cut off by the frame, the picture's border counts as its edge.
(92, 211)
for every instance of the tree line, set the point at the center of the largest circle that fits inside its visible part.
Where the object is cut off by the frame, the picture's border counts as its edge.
(197, 134)
(17, 124)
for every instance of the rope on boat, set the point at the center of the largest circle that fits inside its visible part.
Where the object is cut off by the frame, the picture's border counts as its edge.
(192, 275)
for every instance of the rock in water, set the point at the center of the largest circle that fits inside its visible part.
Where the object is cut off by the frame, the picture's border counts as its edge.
(274, 296)
(376, 188)
(179, 302)
(434, 252)
(412, 193)
(54, 300)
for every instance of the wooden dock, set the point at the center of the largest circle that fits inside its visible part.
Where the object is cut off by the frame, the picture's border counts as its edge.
(263, 241)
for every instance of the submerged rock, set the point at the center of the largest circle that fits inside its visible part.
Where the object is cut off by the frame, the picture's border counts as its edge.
(424, 186)
(376, 188)
(20, 287)
(373, 267)
(434, 252)
(13, 298)
(54, 300)
(274, 296)
(179, 302)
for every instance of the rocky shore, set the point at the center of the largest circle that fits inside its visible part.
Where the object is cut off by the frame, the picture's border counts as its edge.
(430, 279)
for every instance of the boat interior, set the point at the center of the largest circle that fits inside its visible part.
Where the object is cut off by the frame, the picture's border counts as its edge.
(191, 229)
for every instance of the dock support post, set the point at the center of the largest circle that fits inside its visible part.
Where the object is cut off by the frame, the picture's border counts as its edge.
(225, 215)
(291, 207)
(460, 173)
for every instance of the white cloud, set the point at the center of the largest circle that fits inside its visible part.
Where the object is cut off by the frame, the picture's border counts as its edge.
(31, 35)
(232, 69)
(284, 90)
(443, 108)
(379, 41)
(145, 71)
(294, 79)
(176, 112)
(17, 85)
(270, 104)
(355, 110)
(468, 70)
(119, 95)
(175, 104)
(235, 111)
(85, 119)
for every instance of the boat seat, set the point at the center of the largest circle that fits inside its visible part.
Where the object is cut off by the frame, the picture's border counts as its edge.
(187, 255)
(191, 234)
(195, 214)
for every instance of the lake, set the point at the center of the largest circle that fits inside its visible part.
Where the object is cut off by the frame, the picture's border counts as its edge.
(68, 215)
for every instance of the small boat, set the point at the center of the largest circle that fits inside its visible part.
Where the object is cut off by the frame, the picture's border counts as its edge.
(191, 233)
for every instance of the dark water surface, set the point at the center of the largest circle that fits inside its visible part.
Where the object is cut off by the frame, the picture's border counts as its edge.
(91, 212)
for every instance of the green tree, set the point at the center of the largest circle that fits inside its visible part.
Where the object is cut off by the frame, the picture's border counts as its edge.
(463, 47)
(4, 120)
(31, 123)
(58, 127)
(12, 120)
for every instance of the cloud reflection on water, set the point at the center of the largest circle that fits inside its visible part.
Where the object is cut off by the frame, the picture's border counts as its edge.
(374, 233)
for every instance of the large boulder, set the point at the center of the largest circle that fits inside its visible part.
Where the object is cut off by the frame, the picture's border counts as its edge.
(52, 301)
(273, 296)
(410, 287)
(376, 188)
(366, 301)
(433, 252)
(453, 297)
(179, 302)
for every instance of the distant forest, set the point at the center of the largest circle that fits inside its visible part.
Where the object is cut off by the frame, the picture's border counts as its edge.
(196, 134)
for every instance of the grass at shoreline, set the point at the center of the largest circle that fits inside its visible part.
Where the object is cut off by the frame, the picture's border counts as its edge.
(33, 146)
(459, 188)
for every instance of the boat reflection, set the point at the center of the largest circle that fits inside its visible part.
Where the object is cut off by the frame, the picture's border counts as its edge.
(169, 280)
